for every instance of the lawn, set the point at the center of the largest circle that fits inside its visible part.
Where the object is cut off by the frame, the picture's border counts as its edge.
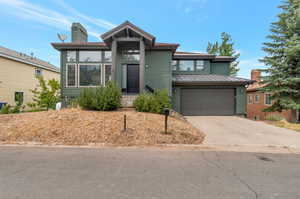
(81, 127)
(285, 124)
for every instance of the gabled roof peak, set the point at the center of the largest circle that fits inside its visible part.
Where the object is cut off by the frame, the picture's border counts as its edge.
(127, 29)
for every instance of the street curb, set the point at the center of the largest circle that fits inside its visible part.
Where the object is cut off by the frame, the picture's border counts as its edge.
(202, 147)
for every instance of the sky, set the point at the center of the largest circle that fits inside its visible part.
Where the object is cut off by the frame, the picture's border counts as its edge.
(29, 26)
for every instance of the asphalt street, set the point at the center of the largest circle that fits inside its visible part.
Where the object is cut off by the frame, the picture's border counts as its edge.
(146, 173)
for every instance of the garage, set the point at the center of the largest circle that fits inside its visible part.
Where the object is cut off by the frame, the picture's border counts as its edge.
(208, 101)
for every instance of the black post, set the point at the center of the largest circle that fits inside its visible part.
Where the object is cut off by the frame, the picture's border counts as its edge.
(166, 123)
(125, 122)
(167, 113)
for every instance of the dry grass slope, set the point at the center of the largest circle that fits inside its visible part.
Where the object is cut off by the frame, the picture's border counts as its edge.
(80, 127)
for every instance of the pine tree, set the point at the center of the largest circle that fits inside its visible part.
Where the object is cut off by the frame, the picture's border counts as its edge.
(226, 48)
(283, 59)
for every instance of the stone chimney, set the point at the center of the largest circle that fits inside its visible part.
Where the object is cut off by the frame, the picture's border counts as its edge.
(79, 33)
(255, 75)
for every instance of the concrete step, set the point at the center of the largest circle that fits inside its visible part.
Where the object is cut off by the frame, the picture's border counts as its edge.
(127, 101)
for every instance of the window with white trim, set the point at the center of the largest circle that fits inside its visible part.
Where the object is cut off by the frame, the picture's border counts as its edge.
(89, 74)
(199, 65)
(174, 64)
(71, 75)
(107, 73)
(107, 56)
(186, 65)
(71, 56)
(38, 72)
(89, 56)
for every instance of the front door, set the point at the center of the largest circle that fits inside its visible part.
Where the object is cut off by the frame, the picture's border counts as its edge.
(133, 77)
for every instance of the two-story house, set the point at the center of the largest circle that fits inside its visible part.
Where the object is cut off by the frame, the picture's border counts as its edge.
(198, 83)
(18, 73)
(259, 100)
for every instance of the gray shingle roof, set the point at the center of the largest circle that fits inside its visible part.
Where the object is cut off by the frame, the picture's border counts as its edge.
(209, 79)
(21, 57)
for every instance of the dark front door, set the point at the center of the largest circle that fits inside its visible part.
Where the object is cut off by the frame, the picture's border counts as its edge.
(133, 77)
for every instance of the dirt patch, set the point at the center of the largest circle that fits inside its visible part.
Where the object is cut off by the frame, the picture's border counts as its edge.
(80, 127)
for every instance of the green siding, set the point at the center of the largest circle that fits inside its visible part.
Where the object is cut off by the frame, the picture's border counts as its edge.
(241, 100)
(157, 73)
(220, 68)
(240, 105)
(158, 69)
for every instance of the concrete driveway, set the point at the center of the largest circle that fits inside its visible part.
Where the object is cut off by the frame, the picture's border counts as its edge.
(232, 130)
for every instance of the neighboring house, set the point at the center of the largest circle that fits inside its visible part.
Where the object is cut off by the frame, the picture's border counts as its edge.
(17, 76)
(198, 83)
(258, 101)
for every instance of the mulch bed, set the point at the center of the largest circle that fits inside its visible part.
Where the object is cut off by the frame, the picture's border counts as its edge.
(81, 127)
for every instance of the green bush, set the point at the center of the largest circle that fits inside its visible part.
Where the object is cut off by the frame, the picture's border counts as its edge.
(102, 98)
(5, 109)
(152, 102)
(274, 117)
(46, 95)
(86, 98)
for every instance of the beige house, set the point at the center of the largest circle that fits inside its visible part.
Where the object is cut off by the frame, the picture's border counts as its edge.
(17, 75)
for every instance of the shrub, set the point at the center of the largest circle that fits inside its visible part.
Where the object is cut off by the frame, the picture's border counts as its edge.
(47, 94)
(86, 98)
(274, 117)
(152, 102)
(13, 109)
(5, 109)
(102, 98)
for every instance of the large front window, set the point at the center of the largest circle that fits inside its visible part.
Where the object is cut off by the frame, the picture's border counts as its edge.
(89, 75)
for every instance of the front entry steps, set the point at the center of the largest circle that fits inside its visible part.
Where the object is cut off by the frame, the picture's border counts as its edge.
(127, 100)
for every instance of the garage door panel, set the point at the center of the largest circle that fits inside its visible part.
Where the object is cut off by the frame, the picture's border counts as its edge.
(207, 102)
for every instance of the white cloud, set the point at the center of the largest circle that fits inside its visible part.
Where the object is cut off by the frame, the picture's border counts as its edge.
(98, 22)
(52, 18)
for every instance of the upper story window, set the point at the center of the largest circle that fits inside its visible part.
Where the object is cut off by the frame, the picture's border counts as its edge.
(107, 56)
(268, 100)
(131, 55)
(38, 72)
(90, 56)
(71, 56)
(199, 65)
(186, 65)
(174, 65)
